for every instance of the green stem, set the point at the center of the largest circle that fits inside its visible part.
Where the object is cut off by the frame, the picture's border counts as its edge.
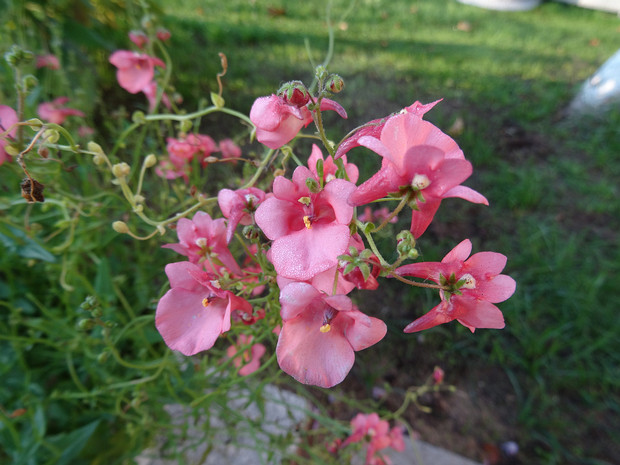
(399, 207)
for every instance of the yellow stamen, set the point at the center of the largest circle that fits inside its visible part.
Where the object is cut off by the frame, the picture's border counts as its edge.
(205, 302)
(307, 222)
(325, 328)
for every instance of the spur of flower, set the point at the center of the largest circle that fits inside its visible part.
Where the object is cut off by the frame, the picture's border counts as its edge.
(472, 285)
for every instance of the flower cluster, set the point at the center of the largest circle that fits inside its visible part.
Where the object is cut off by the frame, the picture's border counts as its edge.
(314, 244)
(376, 435)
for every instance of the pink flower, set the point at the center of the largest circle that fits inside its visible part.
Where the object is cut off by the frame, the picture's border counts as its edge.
(139, 38)
(419, 161)
(277, 122)
(239, 207)
(308, 229)
(329, 167)
(373, 128)
(321, 333)
(377, 433)
(203, 144)
(55, 111)
(249, 360)
(229, 149)
(475, 285)
(173, 168)
(135, 70)
(48, 61)
(194, 312)
(324, 281)
(163, 34)
(85, 131)
(182, 149)
(8, 117)
(378, 215)
(203, 240)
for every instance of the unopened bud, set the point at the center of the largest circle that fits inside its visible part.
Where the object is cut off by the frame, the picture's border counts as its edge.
(163, 34)
(138, 117)
(86, 324)
(251, 232)
(334, 84)
(294, 93)
(34, 123)
(98, 159)
(185, 125)
(94, 147)
(51, 136)
(138, 208)
(217, 100)
(29, 82)
(150, 160)
(120, 170)
(138, 198)
(320, 72)
(120, 227)
(210, 159)
(11, 150)
(405, 245)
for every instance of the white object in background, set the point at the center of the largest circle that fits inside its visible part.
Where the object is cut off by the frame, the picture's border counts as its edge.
(503, 5)
(604, 5)
(600, 90)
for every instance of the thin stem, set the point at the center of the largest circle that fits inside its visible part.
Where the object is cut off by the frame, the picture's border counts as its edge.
(399, 207)
(419, 284)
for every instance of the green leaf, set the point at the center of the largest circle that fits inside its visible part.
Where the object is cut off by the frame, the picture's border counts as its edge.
(73, 443)
(17, 242)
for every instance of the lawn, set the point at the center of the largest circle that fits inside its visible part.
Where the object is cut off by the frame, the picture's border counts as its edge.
(550, 379)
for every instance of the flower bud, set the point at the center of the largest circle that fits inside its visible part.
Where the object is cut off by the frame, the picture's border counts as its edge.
(150, 160)
(98, 159)
(18, 56)
(334, 84)
(163, 34)
(51, 136)
(294, 93)
(320, 72)
(29, 82)
(11, 149)
(120, 227)
(86, 324)
(217, 100)
(251, 232)
(121, 170)
(103, 356)
(34, 123)
(185, 125)
(138, 117)
(405, 245)
(138, 198)
(94, 147)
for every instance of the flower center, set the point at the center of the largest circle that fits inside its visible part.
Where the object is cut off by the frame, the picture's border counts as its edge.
(328, 316)
(469, 282)
(420, 181)
(308, 221)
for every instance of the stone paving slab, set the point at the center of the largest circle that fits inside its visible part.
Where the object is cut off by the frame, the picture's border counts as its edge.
(283, 412)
